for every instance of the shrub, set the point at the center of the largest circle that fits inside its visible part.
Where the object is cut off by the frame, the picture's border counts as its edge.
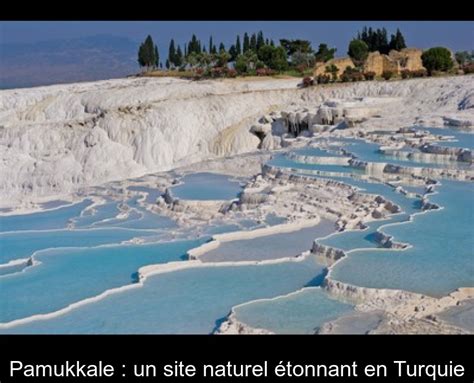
(265, 72)
(387, 75)
(217, 72)
(468, 69)
(369, 76)
(437, 59)
(301, 68)
(357, 76)
(231, 73)
(332, 69)
(307, 81)
(352, 74)
(323, 79)
(406, 73)
(198, 73)
(419, 73)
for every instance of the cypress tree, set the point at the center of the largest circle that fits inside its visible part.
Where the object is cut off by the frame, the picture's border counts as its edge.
(167, 64)
(172, 52)
(232, 52)
(397, 41)
(157, 58)
(246, 46)
(141, 55)
(260, 40)
(238, 49)
(147, 53)
(221, 47)
(272, 43)
(211, 49)
(179, 57)
(253, 42)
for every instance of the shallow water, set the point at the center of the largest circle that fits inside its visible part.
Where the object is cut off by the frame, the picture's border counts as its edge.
(298, 313)
(14, 245)
(206, 186)
(441, 257)
(270, 246)
(187, 301)
(462, 139)
(51, 219)
(196, 300)
(65, 276)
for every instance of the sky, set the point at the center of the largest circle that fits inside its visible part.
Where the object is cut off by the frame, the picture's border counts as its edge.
(457, 35)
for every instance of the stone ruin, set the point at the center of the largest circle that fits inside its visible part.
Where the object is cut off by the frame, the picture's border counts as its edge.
(395, 61)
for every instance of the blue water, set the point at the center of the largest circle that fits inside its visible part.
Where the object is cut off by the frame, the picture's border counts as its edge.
(70, 275)
(21, 245)
(99, 213)
(52, 219)
(461, 139)
(283, 161)
(53, 204)
(353, 239)
(271, 246)
(206, 186)
(442, 256)
(187, 301)
(299, 313)
(369, 152)
(152, 194)
(195, 300)
(317, 152)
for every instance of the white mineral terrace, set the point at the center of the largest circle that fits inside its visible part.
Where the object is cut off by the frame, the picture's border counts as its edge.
(68, 141)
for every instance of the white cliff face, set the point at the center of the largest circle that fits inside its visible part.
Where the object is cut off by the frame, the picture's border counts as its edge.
(56, 139)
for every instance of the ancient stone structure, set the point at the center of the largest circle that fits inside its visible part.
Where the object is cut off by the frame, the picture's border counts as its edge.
(340, 63)
(395, 61)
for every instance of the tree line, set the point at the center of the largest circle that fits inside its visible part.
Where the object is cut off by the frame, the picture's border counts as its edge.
(256, 54)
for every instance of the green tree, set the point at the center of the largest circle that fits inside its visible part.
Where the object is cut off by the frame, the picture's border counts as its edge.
(253, 42)
(358, 51)
(279, 60)
(157, 58)
(167, 64)
(397, 41)
(464, 57)
(221, 47)
(265, 54)
(246, 45)
(324, 54)
(233, 52)
(292, 46)
(260, 40)
(172, 52)
(212, 48)
(194, 45)
(238, 48)
(305, 60)
(437, 59)
(147, 53)
(178, 61)
(222, 58)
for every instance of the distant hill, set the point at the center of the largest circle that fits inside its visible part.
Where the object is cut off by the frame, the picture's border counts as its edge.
(63, 61)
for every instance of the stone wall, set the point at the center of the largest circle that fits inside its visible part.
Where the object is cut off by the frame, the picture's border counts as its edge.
(395, 61)
(341, 63)
(409, 58)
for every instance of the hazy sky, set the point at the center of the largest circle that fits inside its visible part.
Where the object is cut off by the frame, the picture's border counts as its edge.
(457, 35)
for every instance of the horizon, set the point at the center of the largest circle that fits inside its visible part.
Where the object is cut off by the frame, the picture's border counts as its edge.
(112, 46)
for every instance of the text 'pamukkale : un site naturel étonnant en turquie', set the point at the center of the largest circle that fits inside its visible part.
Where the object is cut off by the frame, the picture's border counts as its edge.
(289, 369)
